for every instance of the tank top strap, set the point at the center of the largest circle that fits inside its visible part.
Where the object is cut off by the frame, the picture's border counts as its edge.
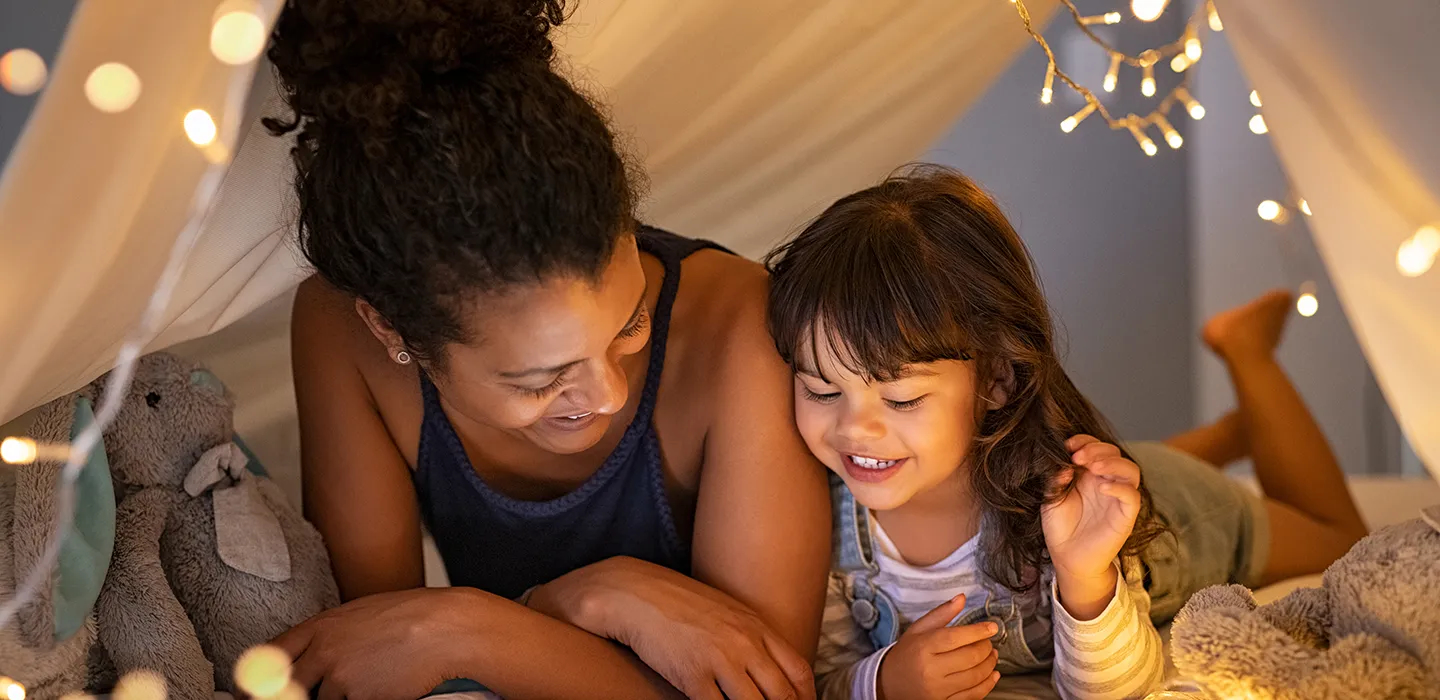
(672, 250)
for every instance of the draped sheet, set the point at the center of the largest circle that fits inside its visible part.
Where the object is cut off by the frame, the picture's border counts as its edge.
(749, 116)
(1351, 101)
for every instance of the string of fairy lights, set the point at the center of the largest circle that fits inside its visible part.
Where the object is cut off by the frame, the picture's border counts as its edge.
(1415, 256)
(238, 33)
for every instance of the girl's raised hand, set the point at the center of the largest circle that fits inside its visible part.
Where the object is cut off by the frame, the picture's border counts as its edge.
(1086, 529)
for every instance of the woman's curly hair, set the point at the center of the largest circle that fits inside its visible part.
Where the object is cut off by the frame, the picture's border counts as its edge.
(924, 267)
(439, 156)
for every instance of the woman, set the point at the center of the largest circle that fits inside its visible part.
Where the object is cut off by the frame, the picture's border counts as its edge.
(580, 409)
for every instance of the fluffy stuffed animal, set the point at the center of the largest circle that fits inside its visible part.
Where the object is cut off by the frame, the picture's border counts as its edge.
(1371, 631)
(208, 557)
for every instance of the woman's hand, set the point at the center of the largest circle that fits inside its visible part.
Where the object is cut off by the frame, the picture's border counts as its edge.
(699, 639)
(1086, 530)
(384, 646)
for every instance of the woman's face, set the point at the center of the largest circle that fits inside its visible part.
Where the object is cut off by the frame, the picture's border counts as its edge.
(545, 365)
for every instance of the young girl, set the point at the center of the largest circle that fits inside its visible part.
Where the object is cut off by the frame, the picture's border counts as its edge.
(985, 519)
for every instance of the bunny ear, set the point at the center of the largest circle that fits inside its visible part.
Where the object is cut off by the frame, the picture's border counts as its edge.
(248, 533)
(63, 603)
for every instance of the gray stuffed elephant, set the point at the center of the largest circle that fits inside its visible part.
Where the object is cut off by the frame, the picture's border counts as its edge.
(1372, 630)
(209, 559)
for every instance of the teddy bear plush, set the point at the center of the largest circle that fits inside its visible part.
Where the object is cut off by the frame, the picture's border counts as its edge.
(1371, 631)
(209, 559)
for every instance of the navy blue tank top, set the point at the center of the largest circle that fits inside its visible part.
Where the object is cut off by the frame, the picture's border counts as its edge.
(505, 546)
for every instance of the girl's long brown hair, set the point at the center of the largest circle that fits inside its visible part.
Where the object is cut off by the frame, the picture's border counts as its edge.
(925, 267)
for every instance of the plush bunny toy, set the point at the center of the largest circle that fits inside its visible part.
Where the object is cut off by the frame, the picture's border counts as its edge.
(208, 557)
(1372, 630)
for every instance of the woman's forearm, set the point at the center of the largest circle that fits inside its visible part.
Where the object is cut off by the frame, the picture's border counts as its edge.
(523, 654)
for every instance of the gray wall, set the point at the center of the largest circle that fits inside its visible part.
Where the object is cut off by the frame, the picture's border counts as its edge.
(1106, 224)
(38, 25)
(1235, 255)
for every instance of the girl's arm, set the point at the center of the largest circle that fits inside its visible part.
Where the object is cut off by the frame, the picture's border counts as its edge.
(1115, 655)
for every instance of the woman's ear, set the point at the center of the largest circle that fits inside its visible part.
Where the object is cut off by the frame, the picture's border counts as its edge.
(380, 328)
(1002, 384)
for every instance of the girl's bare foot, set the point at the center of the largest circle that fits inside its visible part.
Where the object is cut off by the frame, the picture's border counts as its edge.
(1250, 330)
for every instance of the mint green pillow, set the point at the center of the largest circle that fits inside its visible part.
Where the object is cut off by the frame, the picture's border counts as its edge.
(86, 550)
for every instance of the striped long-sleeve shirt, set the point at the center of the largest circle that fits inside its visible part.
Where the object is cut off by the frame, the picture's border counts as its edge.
(1116, 655)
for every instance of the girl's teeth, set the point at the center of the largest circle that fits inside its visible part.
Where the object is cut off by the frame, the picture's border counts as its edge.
(869, 463)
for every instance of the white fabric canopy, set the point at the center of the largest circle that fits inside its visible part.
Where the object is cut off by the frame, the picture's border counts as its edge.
(1350, 98)
(749, 115)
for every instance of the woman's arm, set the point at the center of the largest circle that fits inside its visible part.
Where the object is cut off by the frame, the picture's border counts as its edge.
(356, 485)
(390, 641)
(762, 521)
(404, 644)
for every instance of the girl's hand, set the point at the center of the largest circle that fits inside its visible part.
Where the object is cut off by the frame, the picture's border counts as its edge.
(699, 639)
(933, 661)
(1086, 530)
(389, 645)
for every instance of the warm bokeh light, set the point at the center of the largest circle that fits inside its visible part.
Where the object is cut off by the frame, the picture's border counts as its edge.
(140, 685)
(1307, 304)
(1257, 125)
(263, 671)
(22, 72)
(112, 88)
(1148, 10)
(238, 35)
(1417, 253)
(200, 127)
(18, 450)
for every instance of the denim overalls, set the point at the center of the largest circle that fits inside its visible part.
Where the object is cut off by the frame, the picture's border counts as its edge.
(853, 560)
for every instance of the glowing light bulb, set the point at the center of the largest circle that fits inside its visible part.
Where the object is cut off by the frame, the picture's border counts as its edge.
(22, 72)
(200, 127)
(112, 88)
(1417, 253)
(140, 685)
(1307, 304)
(1257, 125)
(1193, 106)
(1148, 10)
(18, 451)
(1113, 75)
(1180, 63)
(1145, 143)
(1074, 120)
(1172, 136)
(1147, 83)
(1045, 92)
(1304, 207)
(1255, 98)
(12, 688)
(238, 35)
(1271, 210)
(1193, 49)
(263, 671)
(1215, 24)
(1107, 18)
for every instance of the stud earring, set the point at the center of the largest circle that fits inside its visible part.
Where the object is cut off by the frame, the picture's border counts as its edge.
(402, 357)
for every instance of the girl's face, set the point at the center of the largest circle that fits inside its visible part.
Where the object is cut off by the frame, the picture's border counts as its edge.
(890, 441)
(546, 364)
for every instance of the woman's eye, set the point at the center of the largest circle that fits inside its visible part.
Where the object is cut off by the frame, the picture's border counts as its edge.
(905, 405)
(817, 397)
(637, 327)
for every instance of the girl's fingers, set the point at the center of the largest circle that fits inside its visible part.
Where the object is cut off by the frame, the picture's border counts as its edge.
(1078, 441)
(1128, 496)
(1094, 452)
(1117, 470)
(979, 691)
